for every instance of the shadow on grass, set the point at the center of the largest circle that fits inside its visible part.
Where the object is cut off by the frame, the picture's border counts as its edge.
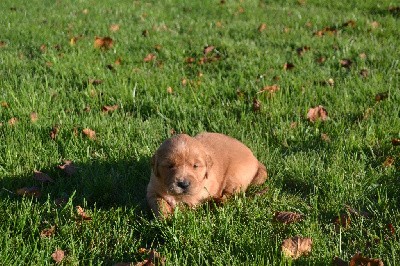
(102, 183)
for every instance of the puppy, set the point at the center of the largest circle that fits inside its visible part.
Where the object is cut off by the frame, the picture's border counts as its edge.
(191, 170)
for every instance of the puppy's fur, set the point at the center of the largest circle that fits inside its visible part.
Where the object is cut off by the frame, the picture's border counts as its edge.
(193, 169)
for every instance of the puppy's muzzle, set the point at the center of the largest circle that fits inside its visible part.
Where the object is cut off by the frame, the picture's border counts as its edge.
(184, 184)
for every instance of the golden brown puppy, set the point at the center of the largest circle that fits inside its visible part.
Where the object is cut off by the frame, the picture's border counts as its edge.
(191, 170)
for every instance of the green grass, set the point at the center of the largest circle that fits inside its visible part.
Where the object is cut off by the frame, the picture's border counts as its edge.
(307, 175)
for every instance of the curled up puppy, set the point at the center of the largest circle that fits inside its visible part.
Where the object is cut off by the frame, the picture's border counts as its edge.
(191, 170)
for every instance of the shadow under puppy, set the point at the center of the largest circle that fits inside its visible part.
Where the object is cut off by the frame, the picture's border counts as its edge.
(191, 170)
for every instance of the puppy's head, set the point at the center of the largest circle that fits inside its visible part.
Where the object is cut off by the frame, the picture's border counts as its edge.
(181, 164)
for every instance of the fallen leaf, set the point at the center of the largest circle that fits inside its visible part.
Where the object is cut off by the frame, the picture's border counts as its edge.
(325, 137)
(184, 82)
(68, 167)
(29, 191)
(153, 258)
(317, 113)
(103, 43)
(350, 23)
(271, 89)
(114, 27)
(331, 82)
(3, 44)
(381, 96)
(145, 33)
(208, 49)
(288, 66)
(287, 217)
(118, 62)
(91, 134)
(391, 229)
(149, 57)
(396, 142)
(54, 131)
(34, 117)
(95, 81)
(42, 177)
(82, 214)
(43, 48)
(343, 221)
(301, 50)
(374, 24)
(73, 41)
(109, 108)
(262, 27)
(85, 11)
(359, 260)
(170, 90)
(308, 24)
(4, 104)
(388, 162)
(326, 31)
(346, 63)
(293, 125)
(256, 105)
(321, 60)
(190, 60)
(48, 232)
(364, 73)
(58, 255)
(296, 246)
(110, 67)
(157, 47)
(362, 55)
(13, 121)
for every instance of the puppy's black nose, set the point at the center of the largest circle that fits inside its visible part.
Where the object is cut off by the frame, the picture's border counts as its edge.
(183, 184)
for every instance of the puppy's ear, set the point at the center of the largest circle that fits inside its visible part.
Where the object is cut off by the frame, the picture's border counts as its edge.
(209, 163)
(154, 165)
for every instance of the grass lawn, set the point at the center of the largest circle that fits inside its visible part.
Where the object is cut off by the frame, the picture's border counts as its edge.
(152, 77)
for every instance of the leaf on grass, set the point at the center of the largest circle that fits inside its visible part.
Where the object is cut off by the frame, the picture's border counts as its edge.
(170, 90)
(4, 104)
(13, 121)
(114, 27)
(208, 49)
(48, 232)
(103, 43)
(153, 258)
(95, 81)
(109, 108)
(42, 177)
(374, 24)
(296, 246)
(346, 63)
(145, 33)
(149, 57)
(287, 217)
(34, 117)
(396, 142)
(381, 96)
(271, 89)
(256, 105)
(364, 73)
(351, 23)
(82, 214)
(325, 137)
(388, 162)
(359, 260)
(58, 255)
(317, 113)
(288, 66)
(190, 60)
(3, 44)
(301, 50)
(54, 131)
(391, 229)
(29, 191)
(342, 221)
(91, 134)
(326, 31)
(262, 27)
(321, 60)
(118, 62)
(68, 167)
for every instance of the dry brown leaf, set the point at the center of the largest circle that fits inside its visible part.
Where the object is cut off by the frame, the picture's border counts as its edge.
(296, 246)
(103, 43)
(29, 191)
(54, 131)
(114, 27)
(388, 162)
(82, 214)
(364, 73)
(190, 60)
(396, 142)
(326, 31)
(4, 104)
(362, 55)
(287, 217)
(288, 66)
(13, 121)
(374, 24)
(153, 258)
(359, 260)
(317, 113)
(381, 96)
(48, 232)
(43, 48)
(58, 255)
(118, 61)
(208, 49)
(68, 167)
(391, 229)
(91, 134)
(145, 33)
(256, 105)
(262, 27)
(109, 108)
(301, 50)
(271, 89)
(346, 63)
(184, 82)
(321, 60)
(149, 57)
(170, 90)
(34, 117)
(42, 177)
